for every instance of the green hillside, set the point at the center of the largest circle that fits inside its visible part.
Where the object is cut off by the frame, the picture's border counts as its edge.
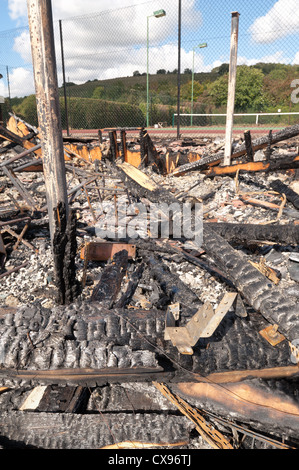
(122, 101)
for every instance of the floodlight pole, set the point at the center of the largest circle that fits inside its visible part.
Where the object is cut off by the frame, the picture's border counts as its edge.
(179, 68)
(156, 14)
(192, 88)
(231, 87)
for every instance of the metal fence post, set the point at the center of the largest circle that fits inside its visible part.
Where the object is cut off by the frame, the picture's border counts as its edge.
(179, 68)
(64, 84)
(231, 86)
(48, 110)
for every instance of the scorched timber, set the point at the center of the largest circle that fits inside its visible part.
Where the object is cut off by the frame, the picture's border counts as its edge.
(88, 344)
(32, 430)
(239, 151)
(282, 188)
(257, 290)
(249, 233)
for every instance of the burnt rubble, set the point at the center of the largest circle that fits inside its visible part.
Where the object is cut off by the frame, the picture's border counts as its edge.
(101, 324)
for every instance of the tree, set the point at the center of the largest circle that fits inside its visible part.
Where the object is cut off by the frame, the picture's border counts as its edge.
(98, 92)
(249, 89)
(223, 69)
(189, 71)
(186, 90)
(136, 73)
(161, 72)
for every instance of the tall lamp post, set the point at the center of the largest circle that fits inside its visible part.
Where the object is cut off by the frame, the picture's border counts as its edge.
(156, 14)
(201, 46)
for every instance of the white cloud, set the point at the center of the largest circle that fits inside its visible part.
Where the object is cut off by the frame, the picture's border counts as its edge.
(21, 82)
(17, 9)
(112, 42)
(281, 20)
(276, 58)
(122, 64)
(22, 46)
(296, 59)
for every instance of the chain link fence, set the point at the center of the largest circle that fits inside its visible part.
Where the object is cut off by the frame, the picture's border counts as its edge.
(119, 67)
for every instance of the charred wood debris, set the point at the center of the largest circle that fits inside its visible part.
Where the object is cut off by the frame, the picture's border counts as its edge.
(172, 344)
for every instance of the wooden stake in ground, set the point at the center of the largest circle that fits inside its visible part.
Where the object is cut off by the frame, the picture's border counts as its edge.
(231, 86)
(48, 110)
(49, 118)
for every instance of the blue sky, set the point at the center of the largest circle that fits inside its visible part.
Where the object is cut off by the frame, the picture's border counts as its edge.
(107, 38)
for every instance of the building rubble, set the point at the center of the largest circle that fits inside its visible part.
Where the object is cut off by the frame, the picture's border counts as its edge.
(174, 343)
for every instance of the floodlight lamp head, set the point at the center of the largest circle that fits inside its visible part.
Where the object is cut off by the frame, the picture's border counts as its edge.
(159, 13)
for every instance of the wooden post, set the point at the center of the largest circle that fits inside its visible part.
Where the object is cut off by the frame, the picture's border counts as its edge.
(231, 86)
(61, 221)
(48, 109)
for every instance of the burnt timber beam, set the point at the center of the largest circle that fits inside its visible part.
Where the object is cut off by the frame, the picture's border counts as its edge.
(282, 188)
(258, 291)
(264, 404)
(32, 430)
(287, 163)
(172, 286)
(12, 137)
(90, 344)
(248, 145)
(108, 287)
(240, 150)
(248, 233)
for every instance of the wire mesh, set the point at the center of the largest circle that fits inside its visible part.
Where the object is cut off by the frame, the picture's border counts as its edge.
(120, 66)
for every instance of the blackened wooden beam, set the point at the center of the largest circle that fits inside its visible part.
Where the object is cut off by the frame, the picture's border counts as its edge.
(11, 136)
(249, 233)
(287, 163)
(89, 345)
(282, 188)
(239, 151)
(258, 291)
(131, 287)
(108, 287)
(265, 406)
(268, 148)
(248, 145)
(93, 431)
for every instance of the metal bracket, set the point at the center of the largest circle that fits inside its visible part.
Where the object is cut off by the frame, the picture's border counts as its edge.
(272, 335)
(202, 324)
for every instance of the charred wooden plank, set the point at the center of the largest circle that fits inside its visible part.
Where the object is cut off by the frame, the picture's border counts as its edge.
(109, 285)
(247, 233)
(173, 287)
(11, 136)
(248, 146)
(282, 188)
(131, 288)
(56, 399)
(287, 163)
(90, 431)
(258, 291)
(257, 144)
(262, 295)
(265, 405)
(87, 344)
